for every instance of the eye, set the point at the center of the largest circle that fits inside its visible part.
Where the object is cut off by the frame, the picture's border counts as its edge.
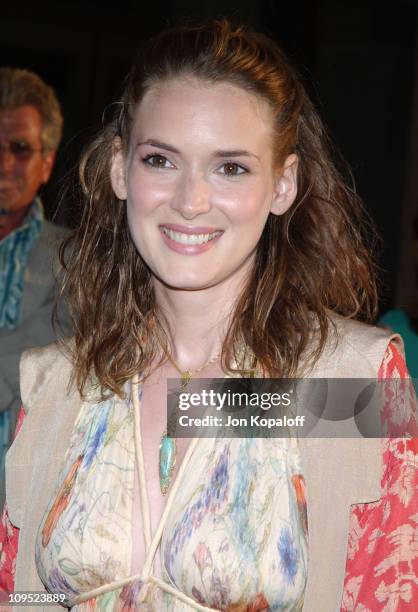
(21, 149)
(157, 161)
(232, 169)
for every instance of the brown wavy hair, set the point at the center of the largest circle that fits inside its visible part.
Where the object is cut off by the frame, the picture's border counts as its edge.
(310, 262)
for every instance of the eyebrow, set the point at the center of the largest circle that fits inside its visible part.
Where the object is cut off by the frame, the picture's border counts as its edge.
(218, 153)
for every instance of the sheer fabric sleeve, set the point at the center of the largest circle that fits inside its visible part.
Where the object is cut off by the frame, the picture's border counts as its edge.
(382, 560)
(9, 538)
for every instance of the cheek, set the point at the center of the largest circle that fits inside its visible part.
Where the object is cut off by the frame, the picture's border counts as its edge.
(22, 171)
(145, 194)
(247, 204)
(32, 174)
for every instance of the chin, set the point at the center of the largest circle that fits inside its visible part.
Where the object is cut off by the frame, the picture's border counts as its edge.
(185, 282)
(186, 285)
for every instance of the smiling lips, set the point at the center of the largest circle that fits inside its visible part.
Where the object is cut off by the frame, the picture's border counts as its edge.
(189, 241)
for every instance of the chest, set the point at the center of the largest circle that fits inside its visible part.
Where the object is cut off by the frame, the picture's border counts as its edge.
(232, 519)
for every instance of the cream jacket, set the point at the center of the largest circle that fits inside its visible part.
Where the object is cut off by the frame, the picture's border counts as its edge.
(339, 472)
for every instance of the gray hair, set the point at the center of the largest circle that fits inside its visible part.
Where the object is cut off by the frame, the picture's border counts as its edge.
(22, 87)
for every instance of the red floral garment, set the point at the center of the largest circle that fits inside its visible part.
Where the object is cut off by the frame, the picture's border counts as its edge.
(9, 536)
(382, 560)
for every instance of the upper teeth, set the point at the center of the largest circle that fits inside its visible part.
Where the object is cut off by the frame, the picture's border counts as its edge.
(189, 238)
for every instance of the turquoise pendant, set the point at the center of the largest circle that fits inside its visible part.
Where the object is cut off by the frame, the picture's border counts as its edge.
(168, 452)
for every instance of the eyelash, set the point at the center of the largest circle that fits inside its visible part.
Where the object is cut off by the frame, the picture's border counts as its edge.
(150, 156)
(147, 158)
(239, 166)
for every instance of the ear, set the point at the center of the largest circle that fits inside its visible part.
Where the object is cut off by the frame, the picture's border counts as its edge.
(286, 186)
(117, 170)
(47, 164)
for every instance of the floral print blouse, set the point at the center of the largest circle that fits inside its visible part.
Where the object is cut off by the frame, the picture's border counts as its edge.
(235, 533)
(213, 549)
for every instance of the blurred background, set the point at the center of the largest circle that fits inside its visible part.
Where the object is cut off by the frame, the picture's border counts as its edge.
(357, 57)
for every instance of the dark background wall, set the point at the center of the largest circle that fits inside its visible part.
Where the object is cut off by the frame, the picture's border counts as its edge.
(358, 58)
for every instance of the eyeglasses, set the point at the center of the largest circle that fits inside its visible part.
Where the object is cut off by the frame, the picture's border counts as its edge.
(21, 150)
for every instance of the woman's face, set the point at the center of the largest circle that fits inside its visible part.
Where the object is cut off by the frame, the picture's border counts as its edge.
(199, 181)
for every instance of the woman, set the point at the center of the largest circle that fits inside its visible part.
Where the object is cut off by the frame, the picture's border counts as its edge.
(217, 239)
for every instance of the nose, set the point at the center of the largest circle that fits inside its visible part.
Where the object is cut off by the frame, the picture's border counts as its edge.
(7, 159)
(192, 196)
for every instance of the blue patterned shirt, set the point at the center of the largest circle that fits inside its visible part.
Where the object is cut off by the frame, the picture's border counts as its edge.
(14, 253)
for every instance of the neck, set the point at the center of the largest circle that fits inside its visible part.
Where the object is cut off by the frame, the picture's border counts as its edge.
(197, 321)
(11, 220)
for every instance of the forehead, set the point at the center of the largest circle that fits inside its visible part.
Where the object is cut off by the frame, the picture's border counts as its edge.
(21, 122)
(195, 110)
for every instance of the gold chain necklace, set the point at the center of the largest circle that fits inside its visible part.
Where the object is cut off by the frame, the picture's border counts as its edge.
(168, 445)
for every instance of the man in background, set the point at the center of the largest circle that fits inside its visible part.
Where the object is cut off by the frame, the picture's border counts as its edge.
(30, 132)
